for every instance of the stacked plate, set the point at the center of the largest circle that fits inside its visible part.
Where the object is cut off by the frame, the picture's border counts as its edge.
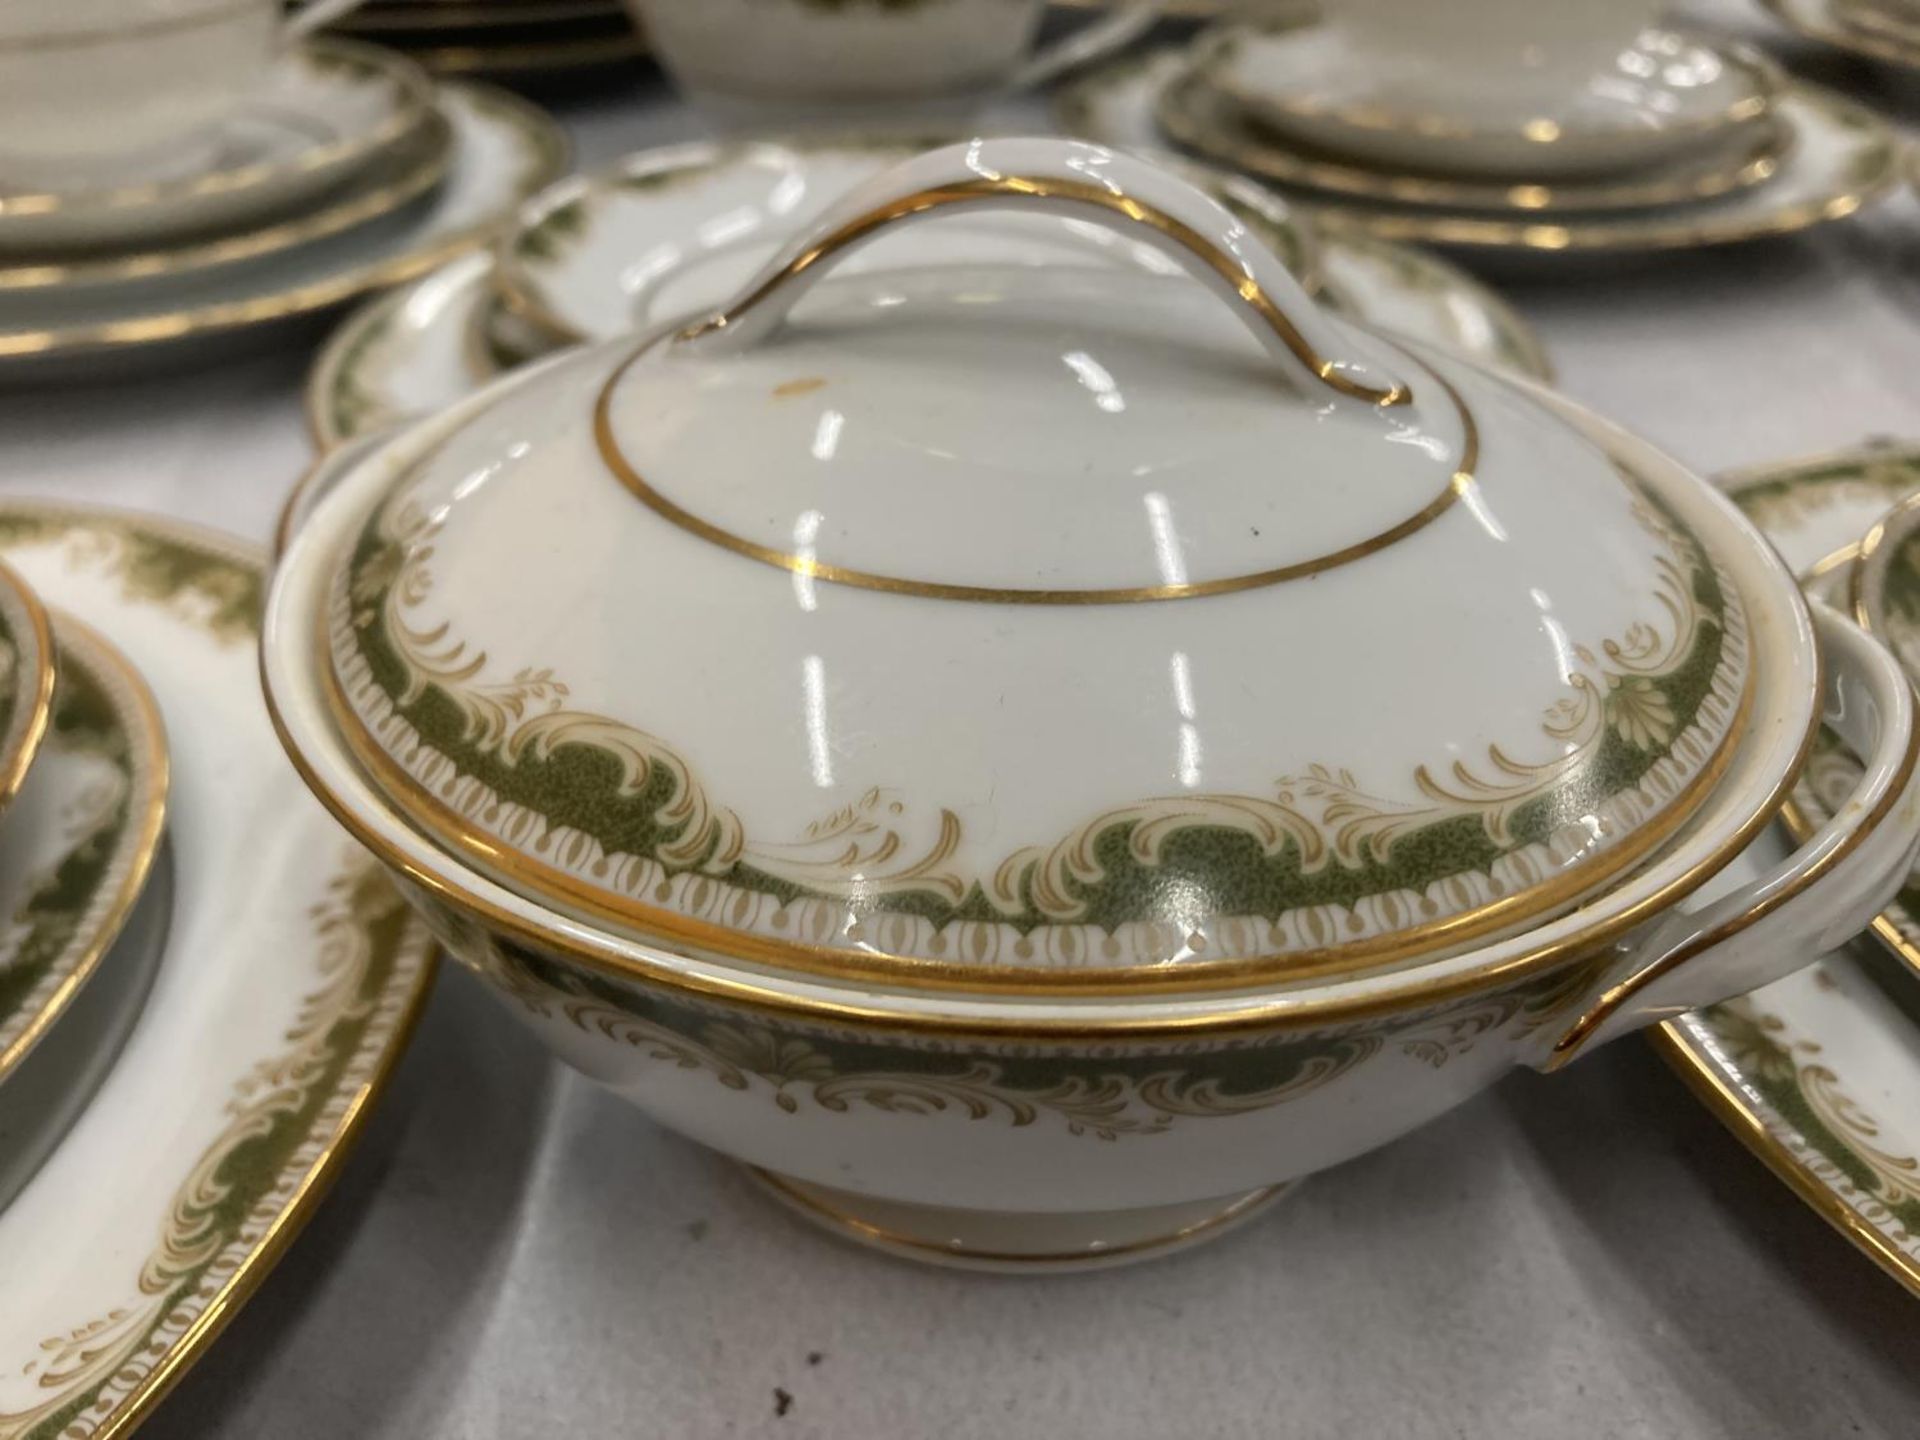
(675, 230)
(183, 1059)
(1688, 142)
(501, 37)
(349, 170)
(83, 776)
(1818, 1071)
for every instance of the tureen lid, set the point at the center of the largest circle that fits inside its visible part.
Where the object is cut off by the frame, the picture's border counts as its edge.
(1014, 626)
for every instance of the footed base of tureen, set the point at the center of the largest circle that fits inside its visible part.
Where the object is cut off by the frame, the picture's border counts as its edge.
(1011, 1242)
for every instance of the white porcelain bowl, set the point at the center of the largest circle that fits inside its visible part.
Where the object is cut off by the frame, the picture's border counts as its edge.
(941, 1108)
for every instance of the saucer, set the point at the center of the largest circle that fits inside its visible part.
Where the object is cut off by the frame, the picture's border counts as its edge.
(78, 842)
(1666, 99)
(27, 673)
(1832, 23)
(1158, 99)
(75, 858)
(503, 150)
(325, 109)
(1841, 156)
(278, 1010)
(1816, 1073)
(423, 347)
(390, 182)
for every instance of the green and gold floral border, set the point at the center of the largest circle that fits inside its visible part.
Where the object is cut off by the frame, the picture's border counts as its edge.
(1108, 1091)
(1317, 870)
(73, 909)
(295, 1116)
(1784, 1096)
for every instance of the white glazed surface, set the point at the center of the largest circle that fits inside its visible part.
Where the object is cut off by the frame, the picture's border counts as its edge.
(502, 152)
(235, 1035)
(66, 811)
(800, 60)
(1840, 157)
(575, 1263)
(990, 1166)
(316, 116)
(1664, 97)
(1784, 708)
(955, 713)
(174, 70)
(422, 347)
(1511, 51)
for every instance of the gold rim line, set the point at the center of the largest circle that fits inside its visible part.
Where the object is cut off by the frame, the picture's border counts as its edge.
(39, 705)
(1180, 110)
(983, 189)
(548, 142)
(358, 207)
(428, 815)
(1539, 131)
(415, 103)
(1278, 1015)
(1652, 236)
(140, 1400)
(1571, 1044)
(1458, 484)
(149, 732)
(833, 1219)
(524, 296)
(160, 25)
(287, 1224)
(1672, 1043)
(615, 958)
(1872, 556)
(1800, 825)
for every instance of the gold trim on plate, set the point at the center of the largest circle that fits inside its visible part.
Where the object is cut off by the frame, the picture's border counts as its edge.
(1541, 132)
(1678, 229)
(1191, 112)
(358, 206)
(146, 736)
(39, 703)
(217, 1308)
(1733, 1110)
(416, 102)
(548, 141)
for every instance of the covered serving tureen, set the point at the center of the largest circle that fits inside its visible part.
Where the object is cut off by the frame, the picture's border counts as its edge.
(1033, 758)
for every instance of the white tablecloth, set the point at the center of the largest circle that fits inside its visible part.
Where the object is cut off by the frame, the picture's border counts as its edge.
(513, 1253)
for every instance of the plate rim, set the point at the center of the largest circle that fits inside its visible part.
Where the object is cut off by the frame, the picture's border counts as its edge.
(416, 968)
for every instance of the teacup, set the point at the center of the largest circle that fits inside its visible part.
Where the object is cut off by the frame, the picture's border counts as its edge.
(1526, 48)
(97, 92)
(800, 60)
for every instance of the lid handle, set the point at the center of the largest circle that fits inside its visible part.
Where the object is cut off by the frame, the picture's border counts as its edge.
(1089, 182)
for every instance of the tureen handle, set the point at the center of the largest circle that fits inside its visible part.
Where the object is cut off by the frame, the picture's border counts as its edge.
(1089, 182)
(1821, 896)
